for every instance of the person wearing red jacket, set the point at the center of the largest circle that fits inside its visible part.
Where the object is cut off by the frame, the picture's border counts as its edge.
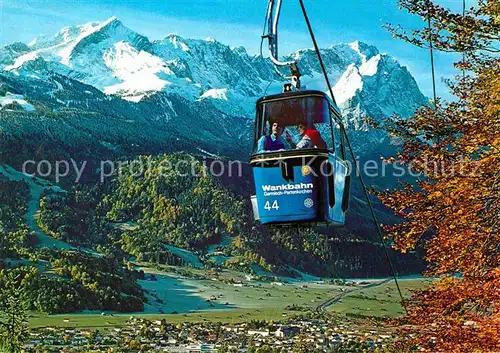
(311, 138)
(316, 138)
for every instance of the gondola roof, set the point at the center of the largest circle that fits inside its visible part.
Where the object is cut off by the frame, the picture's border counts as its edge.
(300, 94)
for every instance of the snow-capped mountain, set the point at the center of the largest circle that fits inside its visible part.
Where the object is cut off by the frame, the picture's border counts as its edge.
(193, 93)
(9, 53)
(106, 55)
(116, 60)
(379, 87)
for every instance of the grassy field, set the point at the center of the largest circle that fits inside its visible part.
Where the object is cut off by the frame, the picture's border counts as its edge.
(207, 300)
(97, 321)
(172, 293)
(178, 297)
(380, 301)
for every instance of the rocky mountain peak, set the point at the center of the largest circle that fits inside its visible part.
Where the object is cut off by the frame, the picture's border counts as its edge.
(11, 51)
(117, 60)
(365, 51)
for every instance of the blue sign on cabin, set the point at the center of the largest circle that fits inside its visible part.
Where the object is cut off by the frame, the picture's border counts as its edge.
(280, 199)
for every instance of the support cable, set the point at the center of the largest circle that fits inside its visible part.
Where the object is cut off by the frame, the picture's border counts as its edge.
(463, 54)
(379, 230)
(317, 50)
(431, 48)
(263, 36)
(372, 211)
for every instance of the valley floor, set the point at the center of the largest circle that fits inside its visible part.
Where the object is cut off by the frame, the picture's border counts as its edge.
(197, 294)
(182, 299)
(246, 322)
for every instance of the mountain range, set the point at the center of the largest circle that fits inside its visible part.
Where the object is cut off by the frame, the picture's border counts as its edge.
(83, 66)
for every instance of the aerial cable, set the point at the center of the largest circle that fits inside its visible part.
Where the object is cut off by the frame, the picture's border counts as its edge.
(463, 54)
(317, 50)
(379, 230)
(264, 31)
(432, 53)
(262, 42)
(374, 217)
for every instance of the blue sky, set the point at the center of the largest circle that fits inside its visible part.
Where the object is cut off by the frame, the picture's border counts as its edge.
(237, 22)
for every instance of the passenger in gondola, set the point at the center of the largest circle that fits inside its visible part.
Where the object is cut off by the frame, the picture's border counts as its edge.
(311, 138)
(305, 140)
(273, 141)
(316, 138)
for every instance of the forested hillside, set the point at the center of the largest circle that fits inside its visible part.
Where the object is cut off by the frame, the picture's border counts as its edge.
(144, 218)
(137, 216)
(56, 280)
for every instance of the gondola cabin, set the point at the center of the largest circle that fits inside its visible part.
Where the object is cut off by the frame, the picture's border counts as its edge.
(298, 161)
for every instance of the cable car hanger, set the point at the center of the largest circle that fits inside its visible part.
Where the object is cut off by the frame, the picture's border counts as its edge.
(274, 7)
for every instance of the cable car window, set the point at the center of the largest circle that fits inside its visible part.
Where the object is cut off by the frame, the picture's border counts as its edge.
(293, 123)
(337, 140)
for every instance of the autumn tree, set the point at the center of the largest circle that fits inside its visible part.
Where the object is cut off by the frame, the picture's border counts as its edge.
(454, 211)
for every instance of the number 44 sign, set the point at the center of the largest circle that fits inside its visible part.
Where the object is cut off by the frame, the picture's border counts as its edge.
(270, 207)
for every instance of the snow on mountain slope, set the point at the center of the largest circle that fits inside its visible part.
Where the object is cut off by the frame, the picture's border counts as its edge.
(348, 84)
(10, 98)
(138, 71)
(61, 45)
(365, 51)
(66, 52)
(88, 54)
(119, 61)
(370, 67)
(215, 93)
(65, 35)
(351, 80)
(106, 55)
(211, 64)
(340, 61)
(230, 101)
(213, 67)
(177, 42)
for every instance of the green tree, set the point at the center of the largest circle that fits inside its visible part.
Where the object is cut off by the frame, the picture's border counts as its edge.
(13, 106)
(13, 322)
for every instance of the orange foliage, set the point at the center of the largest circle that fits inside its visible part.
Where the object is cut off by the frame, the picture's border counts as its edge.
(454, 212)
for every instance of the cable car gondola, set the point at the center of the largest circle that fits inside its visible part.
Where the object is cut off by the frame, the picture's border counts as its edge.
(298, 183)
(298, 160)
